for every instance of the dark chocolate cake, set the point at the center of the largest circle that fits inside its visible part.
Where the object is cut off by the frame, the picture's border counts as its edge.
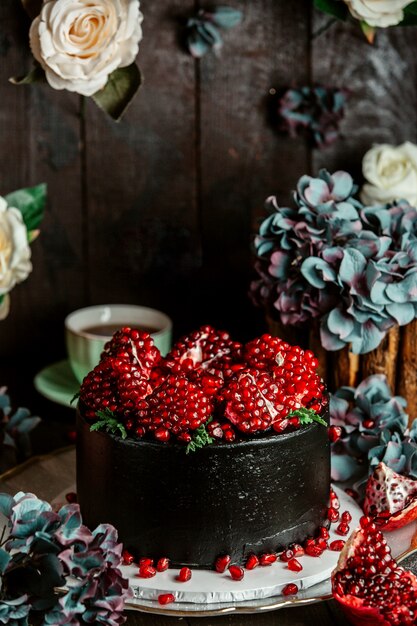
(220, 448)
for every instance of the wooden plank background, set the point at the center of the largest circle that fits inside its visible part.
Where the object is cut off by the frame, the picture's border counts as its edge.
(160, 209)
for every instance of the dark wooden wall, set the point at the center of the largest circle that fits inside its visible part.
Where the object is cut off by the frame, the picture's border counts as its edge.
(160, 209)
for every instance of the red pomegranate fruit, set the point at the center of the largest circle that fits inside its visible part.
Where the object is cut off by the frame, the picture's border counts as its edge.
(390, 498)
(369, 585)
(206, 350)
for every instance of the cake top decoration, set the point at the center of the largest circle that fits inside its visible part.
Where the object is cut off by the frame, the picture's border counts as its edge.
(208, 388)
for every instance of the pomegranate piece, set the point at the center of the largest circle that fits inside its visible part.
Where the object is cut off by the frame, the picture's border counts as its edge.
(390, 498)
(205, 351)
(222, 563)
(290, 590)
(252, 562)
(369, 585)
(166, 598)
(162, 564)
(236, 572)
(175, 407)
(135, 347)
(184, 574)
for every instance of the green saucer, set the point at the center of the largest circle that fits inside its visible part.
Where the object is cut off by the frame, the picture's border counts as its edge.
(57, 383)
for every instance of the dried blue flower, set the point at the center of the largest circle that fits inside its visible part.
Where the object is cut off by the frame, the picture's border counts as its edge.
(14, 611)
(317, 110)
(203, 29)
(16, 426)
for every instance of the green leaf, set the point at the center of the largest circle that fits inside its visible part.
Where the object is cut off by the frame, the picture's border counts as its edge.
(201, 438)
(109, 422)
(32, 7)
(337, 8)
(307, 416)
(410, 15)
(119, 91)
(368, 31)
(31, 203)
(36, 75)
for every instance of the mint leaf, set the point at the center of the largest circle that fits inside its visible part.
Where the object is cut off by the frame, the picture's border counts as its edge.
(119, 90)
(307, 416)
(201, 438)
(108, 421)
(31, 203)
(337, 8)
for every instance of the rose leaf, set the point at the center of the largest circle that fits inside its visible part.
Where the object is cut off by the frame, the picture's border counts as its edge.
(31, 204)
(35, 75)
(332, 7)
(119, 91)
(32, 7)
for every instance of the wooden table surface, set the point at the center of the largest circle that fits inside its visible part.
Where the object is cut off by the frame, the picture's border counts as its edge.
(52, 474)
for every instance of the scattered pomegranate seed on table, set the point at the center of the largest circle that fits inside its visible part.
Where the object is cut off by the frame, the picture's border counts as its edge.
(337, 545)
(222, 563)
(128, 558)
(334, 432)
(267, 559)
(290, 590)
(286, 555)
(346, 517)
(144, 560)
(166, 598)
(332, 514)
(236, 572)
(184, 575)
(294, 565)
(162, 565)
(146, 571)
(252, 562)
(342, 529)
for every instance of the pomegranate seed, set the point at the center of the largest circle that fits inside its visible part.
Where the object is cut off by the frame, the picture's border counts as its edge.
(162, 434)
(222, 563)
(313, 551)
(252, 561)
(297, 549)
(294, 565)
(286, 555)
(334, 432)
(184, 574)
(323, 532)
(352, 493)
(346, 517)
(162, 565)
(144, 560)
(236, 572)
(267, 559)
(342, 529)
(332, 514)
(166, 598)
(337, 545)
(146, 571)
(290, 590)
(127, 558)
(322, 543)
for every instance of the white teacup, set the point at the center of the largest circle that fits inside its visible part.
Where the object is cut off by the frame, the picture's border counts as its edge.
(88, 329)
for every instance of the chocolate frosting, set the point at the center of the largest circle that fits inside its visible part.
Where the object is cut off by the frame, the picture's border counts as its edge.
(256, 495)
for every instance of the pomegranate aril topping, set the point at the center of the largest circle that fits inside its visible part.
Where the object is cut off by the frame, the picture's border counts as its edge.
(127, 558)
(146, 571)
(294, 565)
(184, 574)
(252, 562)
(166, 598)
(162, 564)
(236, 572)
(290, 590)
(222, 563)
(267, 559)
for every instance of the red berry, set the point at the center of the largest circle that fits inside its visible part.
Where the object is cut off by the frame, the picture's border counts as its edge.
(166, 598)
(334, 432)
(184, 574)
(337, 545)
(162, 564)
(290, 590)
(294, 565)
(236, 572)
(252, 562)
(127, 558)
(146, 571)
(222, 563)
(286, 555)
(267, 559)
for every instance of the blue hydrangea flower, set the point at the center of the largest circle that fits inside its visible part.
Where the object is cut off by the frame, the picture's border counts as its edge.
(203, 30)
(14, 611)
(16, 426)
(317, 110)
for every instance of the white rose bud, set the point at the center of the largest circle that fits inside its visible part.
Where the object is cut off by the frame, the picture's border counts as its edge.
(15, 265)
(391, 173)
(379, 13)
(79, 43)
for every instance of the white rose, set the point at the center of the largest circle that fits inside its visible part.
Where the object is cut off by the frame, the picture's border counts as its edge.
(80, 42)
(391, 173)
(15, 265)
(380, 13)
